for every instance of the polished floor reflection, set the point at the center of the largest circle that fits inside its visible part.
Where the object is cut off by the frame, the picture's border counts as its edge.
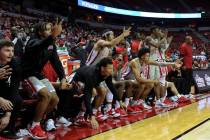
(165, 126)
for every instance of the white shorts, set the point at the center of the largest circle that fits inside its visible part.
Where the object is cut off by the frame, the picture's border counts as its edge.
(103, 84)
(34, 85)
(154, 72)
(163, 81)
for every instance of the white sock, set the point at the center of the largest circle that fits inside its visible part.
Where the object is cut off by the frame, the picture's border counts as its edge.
(158, 101)
(92, 98)
(81, 113)
(109, 106)
(140, 101)
(94, 111)
(109, 97)
(135, 102)
(127, 101)
(162, 99)
(99, 108)
(35, 124)
(179, 95)
(117, 104)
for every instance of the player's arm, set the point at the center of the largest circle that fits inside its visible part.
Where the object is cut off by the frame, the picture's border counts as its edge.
(151, 42)
(137, 75)
(177, 64)
(115, 41)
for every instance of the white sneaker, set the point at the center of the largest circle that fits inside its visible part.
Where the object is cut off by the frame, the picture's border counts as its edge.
(112, 113)
(161, 105)
(146, 106)
(50, 125)
(22, 133)
(174, 98)
(63, 121)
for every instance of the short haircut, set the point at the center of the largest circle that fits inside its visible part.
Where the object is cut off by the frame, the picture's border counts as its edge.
(106, 33)
(5, 43)
(104, 62)
(143, 51)
(154, 27)
(40, 27)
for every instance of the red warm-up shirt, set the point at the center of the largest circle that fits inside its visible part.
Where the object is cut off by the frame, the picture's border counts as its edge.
(186, 52)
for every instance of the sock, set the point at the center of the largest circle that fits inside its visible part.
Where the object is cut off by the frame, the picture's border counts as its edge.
(92, 98)
(94, 111)
(117, 104)
(109, 106)
(35, 124)
(99, 108)
(140, 101)
(179, 95)
(158, 101)
(127, 101)
(162, 99)
(135, 102)
(109, 97)
(81, 113)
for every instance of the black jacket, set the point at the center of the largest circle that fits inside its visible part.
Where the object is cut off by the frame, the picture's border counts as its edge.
(37, 53)
(10, 86)
(91, 77)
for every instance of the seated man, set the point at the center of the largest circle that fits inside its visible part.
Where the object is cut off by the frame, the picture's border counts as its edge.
(39, 50)
(137, 70)
(10, 100)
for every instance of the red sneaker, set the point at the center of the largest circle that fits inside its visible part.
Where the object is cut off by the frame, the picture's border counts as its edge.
(130, 110)
(37, 132)
(137, 109)
(141, 107)
(121, 111)
(168, 102)
(80, 121)
(183, 99)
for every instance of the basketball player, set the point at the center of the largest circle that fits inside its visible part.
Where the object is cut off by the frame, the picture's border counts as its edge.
(138, 70)
(101, 50)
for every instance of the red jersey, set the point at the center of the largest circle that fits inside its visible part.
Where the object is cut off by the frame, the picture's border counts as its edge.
(186, 52)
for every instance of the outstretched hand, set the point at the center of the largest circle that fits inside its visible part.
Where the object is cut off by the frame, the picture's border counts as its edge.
(57, 28)
(126, 32)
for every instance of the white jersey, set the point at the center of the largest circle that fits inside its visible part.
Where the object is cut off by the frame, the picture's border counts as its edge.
(127, 73)
(96, 55)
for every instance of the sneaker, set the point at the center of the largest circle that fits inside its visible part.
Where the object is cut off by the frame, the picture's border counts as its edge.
(37, 132)
(136, 108)
(121, 111)
(190, 96)
(130, 110)
(183, 99)
(159, 104)
(50, 125)
(147, 107)
(112, 113)
(80, 121)
(100, 117)
(168, 102)
(174, 98)
(63, 121)
(22, 133)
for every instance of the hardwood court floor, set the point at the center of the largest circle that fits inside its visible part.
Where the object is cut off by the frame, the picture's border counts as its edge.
(165, 126)
(156, 124)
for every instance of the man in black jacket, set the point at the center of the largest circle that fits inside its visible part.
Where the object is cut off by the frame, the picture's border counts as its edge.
(39, 50)
(10, 75)
(91, 77)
